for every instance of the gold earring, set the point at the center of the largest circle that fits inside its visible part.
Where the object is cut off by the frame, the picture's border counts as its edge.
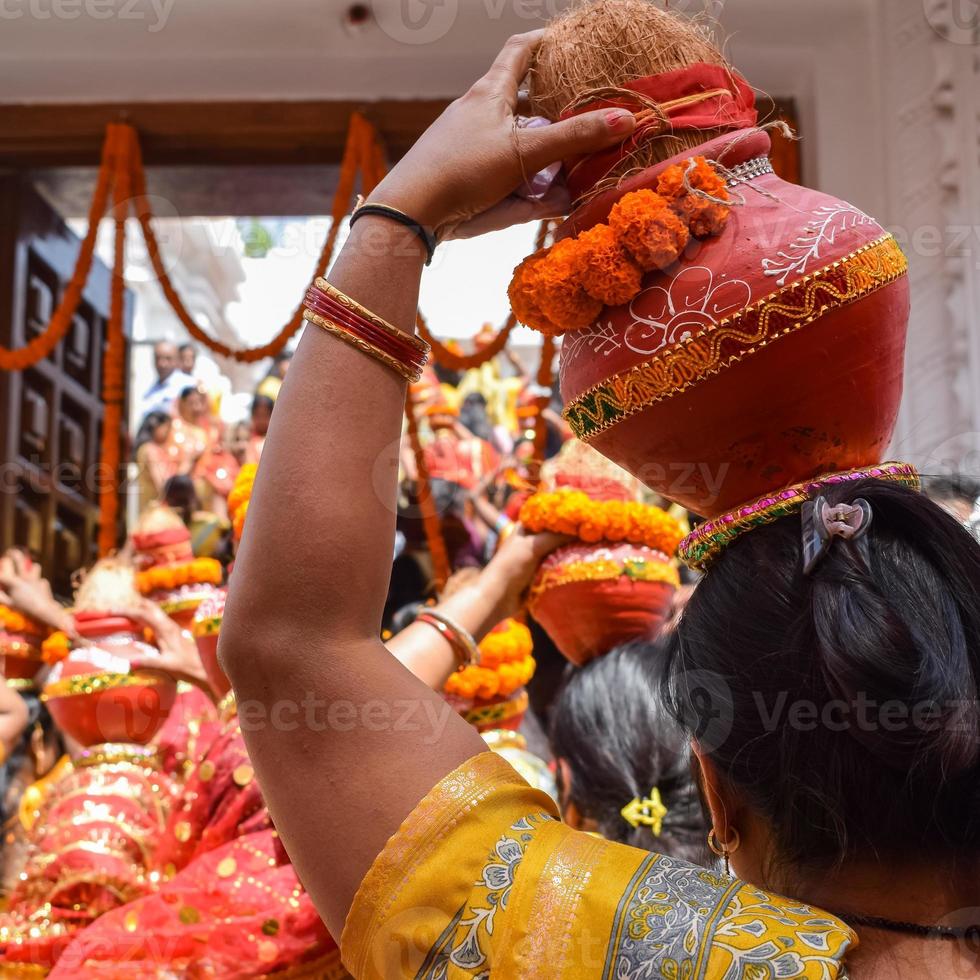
(726, 850)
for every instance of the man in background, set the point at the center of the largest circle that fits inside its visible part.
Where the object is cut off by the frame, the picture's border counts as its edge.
(187, 357)
(171, 380)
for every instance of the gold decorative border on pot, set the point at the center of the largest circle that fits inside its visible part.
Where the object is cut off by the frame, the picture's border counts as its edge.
(113, 753)
(25, 684)
(605, 570)
(76, 684)
(206, 626)
(736, 337)
(13, 647)
(498, 711)
(181, 604)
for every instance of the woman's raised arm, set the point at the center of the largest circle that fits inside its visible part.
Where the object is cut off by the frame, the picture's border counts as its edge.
(344, 740)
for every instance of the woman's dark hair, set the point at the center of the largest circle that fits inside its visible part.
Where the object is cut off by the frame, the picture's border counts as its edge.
(39, 724)
(179, 493)
(473, 415)
(610, 727)
(151, 422)
(841, 707)
(262, 401)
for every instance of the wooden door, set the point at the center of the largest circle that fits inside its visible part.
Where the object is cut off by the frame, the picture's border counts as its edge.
(50, 414)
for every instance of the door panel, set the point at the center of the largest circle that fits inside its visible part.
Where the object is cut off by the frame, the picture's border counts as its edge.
(51, 413)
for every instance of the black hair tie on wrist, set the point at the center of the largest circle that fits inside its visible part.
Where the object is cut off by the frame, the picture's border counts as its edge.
(384, 211)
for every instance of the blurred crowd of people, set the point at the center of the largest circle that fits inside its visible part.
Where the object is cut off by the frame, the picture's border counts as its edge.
(186, 456)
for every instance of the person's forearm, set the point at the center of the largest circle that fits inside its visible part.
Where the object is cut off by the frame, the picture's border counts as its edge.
(476, 608)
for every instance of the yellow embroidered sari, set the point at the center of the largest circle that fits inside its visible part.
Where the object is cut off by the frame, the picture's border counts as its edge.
(482, 880)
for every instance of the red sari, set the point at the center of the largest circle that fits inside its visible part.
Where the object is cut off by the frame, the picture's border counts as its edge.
(91, 850)
(230, 904)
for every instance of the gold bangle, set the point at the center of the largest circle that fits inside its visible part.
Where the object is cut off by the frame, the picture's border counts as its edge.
(463, 644)
(362, 345)
(337, 296)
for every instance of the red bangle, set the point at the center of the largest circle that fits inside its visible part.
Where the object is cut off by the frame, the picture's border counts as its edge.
(338, 314)
(320, 303)
(354, 308)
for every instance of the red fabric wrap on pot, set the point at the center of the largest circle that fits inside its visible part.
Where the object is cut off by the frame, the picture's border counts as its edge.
(164, 547)
(170, 575)
(593, 597)
(696, 97)
(20, 645)
(766, 355)
(95, 696)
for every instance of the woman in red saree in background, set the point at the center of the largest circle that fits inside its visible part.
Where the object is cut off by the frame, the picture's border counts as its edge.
(189, 433)
(157, 458)
(229, 903)
(261, 416)
(455, 454)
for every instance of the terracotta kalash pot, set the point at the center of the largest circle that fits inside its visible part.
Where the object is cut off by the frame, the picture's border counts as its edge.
(725, 332)
(167, 571)
(205, 628)
(616, 583)
(207, 619)
(96, 697)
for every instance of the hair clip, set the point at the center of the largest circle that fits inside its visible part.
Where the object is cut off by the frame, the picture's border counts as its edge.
(648, 812)
(822, 523)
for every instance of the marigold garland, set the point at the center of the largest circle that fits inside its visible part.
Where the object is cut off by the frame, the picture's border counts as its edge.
(56, 647)
(122, 174)
(11, 621)
(566, 286)
(241, 491)
(506, 665)
(359, 149)
(43, 344)
(123, 139)
(200, 571)
(431, 524)
(574, 513)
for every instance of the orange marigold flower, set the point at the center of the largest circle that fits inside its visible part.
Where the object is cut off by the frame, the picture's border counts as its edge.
(574, 513)
(241, 492)
(200, 571)
(605, 269)
(559, 294)
(508, 642)
(14, 622)
(238, 521)
(704, 218)
(522, 293)
(56, 647)
(649, 229)
(591, 532)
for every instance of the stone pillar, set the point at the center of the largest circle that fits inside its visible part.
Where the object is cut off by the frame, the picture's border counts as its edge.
(929, 105)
